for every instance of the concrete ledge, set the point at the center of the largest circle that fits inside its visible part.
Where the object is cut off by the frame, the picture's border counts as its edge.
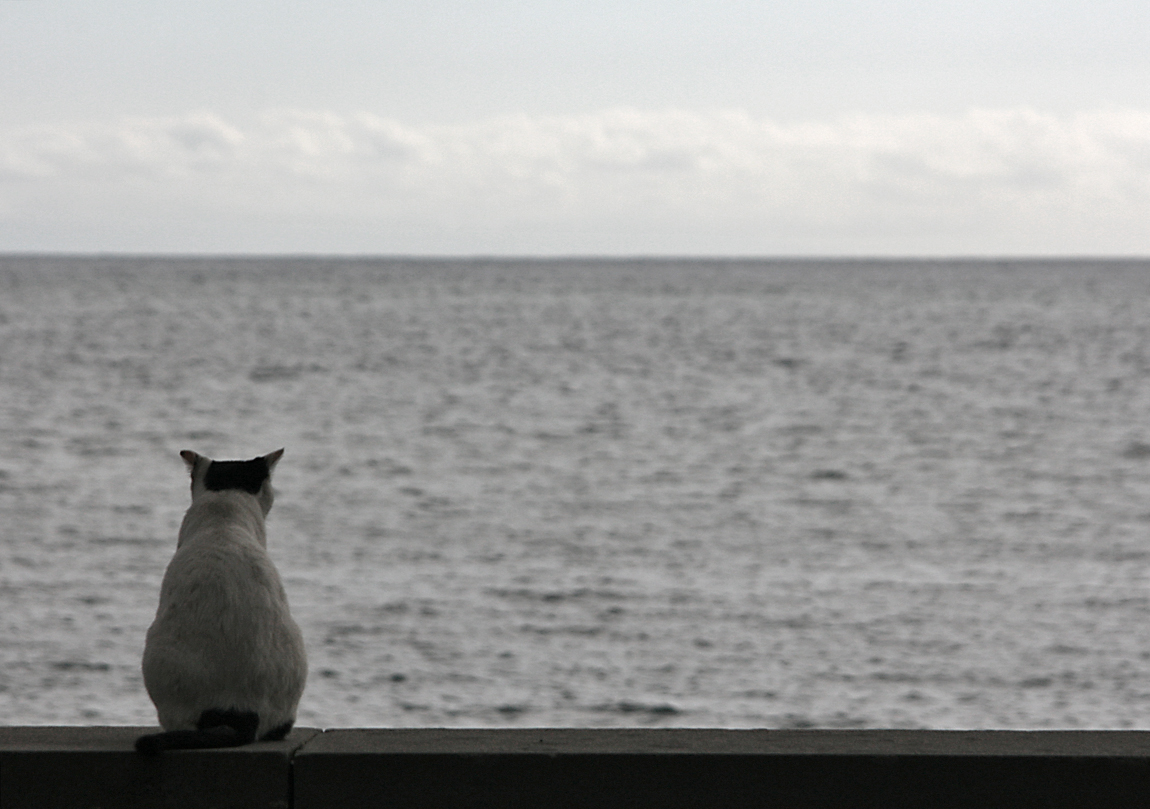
(98, 767)
(93, 767)
(722, 768)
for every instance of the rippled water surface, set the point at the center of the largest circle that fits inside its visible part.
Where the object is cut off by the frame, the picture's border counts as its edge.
(780, 494)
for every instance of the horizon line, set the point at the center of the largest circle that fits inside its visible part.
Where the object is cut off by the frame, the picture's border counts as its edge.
(592, 257)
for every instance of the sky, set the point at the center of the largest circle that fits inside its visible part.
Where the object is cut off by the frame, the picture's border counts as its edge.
(506, 127)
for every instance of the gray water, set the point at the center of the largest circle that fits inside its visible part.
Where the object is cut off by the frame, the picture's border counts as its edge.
(643, 493)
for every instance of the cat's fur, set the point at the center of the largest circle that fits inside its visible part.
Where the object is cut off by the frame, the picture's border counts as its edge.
(224, 661)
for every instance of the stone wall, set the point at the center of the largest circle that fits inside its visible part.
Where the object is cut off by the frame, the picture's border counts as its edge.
(96, 767)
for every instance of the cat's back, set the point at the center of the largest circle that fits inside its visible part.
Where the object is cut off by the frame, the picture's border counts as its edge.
(221, 570)
(222, 529)
(221, 562)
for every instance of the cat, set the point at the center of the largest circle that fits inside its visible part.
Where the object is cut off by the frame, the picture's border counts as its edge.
(224, 662)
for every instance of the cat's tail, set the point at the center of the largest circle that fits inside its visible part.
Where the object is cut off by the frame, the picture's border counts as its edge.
(216, 728)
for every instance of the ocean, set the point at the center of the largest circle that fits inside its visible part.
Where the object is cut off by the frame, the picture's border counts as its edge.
(598, 493)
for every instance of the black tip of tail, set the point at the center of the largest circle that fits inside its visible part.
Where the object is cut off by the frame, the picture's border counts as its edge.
(216, 728)
(150, 745)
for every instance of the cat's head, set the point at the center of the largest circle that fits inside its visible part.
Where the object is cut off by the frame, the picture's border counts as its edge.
(253, 477)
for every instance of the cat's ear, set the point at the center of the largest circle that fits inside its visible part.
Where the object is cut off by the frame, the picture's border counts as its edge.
(273, 458)
(190, 458)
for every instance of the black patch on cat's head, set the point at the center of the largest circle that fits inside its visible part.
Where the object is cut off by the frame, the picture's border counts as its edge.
(248, 476)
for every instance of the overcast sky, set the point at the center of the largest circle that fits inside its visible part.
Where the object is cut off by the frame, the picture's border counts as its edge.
(826, 127)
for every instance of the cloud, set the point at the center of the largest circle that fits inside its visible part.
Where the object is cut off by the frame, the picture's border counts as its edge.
(1016, 179)
(159, 148)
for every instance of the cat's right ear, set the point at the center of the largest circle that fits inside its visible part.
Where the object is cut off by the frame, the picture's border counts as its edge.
(190, 459)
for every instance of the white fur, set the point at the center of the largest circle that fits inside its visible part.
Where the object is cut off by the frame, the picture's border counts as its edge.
(223, 636)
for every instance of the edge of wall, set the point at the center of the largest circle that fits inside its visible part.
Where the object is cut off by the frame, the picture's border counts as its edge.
(97, 766)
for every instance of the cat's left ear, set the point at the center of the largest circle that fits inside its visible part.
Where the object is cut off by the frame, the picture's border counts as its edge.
(273, 458)
(190, 458)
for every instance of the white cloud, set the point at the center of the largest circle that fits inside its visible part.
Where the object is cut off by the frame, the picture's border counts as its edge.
(987, 181)
(104, 153)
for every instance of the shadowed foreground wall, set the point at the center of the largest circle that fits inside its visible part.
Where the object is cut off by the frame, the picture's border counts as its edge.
(97, 767)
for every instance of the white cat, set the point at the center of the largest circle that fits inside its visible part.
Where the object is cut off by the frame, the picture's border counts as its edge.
(224, 662)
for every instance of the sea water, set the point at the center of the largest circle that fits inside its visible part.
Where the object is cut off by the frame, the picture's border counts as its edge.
(598, 493)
